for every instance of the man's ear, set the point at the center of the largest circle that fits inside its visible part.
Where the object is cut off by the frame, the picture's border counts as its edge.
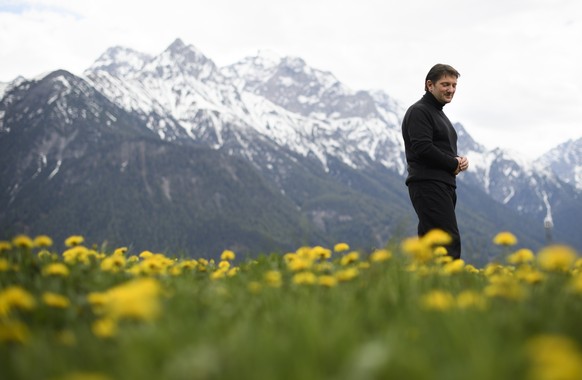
(429, 85)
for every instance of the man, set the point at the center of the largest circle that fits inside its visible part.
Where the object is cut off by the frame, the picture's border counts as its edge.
(430, 144)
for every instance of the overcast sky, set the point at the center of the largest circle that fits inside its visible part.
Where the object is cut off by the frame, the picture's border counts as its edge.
(520, 60)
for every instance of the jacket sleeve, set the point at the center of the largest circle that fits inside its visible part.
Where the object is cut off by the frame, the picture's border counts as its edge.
(420, 132)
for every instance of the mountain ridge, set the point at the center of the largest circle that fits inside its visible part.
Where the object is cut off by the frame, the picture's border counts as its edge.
(337, 162)
(320, 107)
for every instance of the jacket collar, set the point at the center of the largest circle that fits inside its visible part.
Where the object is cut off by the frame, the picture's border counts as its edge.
(429, 98)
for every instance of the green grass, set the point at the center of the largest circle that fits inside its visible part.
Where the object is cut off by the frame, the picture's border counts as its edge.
(373, 326)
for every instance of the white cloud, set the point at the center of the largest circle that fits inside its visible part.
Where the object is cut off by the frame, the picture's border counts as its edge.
(519, 59)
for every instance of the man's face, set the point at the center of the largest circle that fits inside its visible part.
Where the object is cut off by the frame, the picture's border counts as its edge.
(444, 88)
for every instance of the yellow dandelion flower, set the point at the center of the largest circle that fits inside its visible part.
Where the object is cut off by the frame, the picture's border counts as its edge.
(417, 249)
(319, 252)
(12, 331)
(74, 240)
(341, 247)
(436, 237)
(455, 266)
(22, 241)
(15, 297)
(303, 252)
(505, 238)
(521, 256)
(533, 277)
(493, 269)
(146, 267)
(350, 258)
(175, 271)
(137, 299)
(203, 262)
(438, 300)
(224, 264)
(120, 251)
(442, 260)
(165, 260)
(306, 252)
(227, 255)
(327, 281)
(347, 274)
(412, 244)
(44, 254)
(554, 357)
(188, 264)
(55, 300)
(469, 299)
(232, 272)
(146, 254)
(104, 328)
(380, 255)
(440, 251)
(218, 274)
(471, 269)
(503, 286)
(56, 269)
(5, 246)
(135, 270)
(557, 258)
(76, 254)
(273, 278)
(304, 278)
(299, 264)
(528, 274)
(113, 264)
(97, 300)
(42, 241)
(201, 267)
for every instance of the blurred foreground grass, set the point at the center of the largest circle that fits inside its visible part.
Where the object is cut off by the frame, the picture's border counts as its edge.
(404, 312)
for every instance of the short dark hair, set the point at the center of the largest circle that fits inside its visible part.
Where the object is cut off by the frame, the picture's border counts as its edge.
(438, 71)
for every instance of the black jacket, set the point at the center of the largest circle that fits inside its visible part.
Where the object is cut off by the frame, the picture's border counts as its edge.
(430, 142)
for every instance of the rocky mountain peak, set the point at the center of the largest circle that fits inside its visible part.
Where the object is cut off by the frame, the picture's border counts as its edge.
(180, 59)
(120, 61)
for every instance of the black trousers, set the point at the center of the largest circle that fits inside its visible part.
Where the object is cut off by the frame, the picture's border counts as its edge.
(434, 203)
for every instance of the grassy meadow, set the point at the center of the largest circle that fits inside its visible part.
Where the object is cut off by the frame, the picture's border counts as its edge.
(403, 312)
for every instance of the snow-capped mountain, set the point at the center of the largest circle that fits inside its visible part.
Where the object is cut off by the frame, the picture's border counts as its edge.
(529, 187)
(566, 161)
(282, 100)
(183, 94)
(293, 123)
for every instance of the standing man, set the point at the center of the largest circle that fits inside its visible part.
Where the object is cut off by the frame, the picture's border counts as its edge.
(430, 144)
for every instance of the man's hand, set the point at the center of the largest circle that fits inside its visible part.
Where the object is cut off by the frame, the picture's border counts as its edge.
(463, 164)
